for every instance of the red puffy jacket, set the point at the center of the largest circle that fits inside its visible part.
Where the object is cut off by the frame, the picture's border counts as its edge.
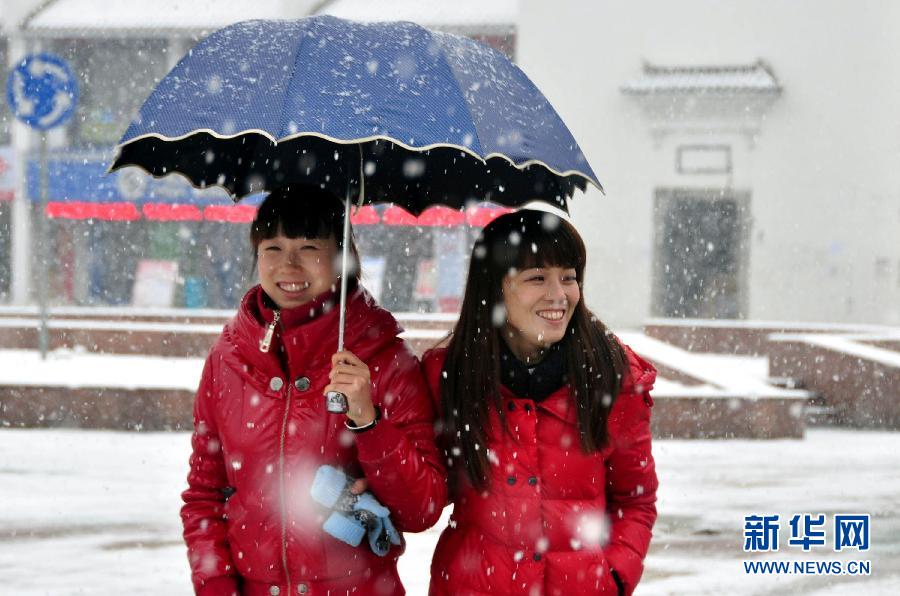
(554, 520)
(260, 434)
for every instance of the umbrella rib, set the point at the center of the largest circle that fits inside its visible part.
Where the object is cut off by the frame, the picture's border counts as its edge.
(282, 112)
(465, 103)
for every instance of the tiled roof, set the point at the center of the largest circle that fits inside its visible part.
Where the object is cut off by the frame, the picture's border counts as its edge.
(77, 15)
(430, 14)
(752, 78)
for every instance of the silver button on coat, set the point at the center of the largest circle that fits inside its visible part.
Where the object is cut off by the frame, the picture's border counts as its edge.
(275, 384)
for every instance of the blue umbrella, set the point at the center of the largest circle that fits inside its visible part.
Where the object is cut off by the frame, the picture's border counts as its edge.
(377, 111)
(438, 117)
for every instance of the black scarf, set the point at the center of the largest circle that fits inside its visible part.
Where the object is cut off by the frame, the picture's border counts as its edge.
(533, 382)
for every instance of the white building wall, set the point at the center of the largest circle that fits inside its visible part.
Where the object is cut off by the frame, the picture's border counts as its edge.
(824, 172)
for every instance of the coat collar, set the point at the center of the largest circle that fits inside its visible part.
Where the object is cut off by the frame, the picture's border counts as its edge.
(310, 345)
(536, 382)
(638, 379)
(292, 317)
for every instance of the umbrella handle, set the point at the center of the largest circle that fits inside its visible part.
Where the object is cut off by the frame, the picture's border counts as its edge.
(336, 402)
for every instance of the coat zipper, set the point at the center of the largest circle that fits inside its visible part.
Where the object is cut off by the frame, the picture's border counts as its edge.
(266, 341)
(264, 344)
(282, 490)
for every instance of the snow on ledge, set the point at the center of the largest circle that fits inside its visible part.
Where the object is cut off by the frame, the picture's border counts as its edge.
(118, 311)
(154, 327)
(188, 313)
(844, 345)
(75, 369)
(124, 326)
(761, 324)
(724, 376)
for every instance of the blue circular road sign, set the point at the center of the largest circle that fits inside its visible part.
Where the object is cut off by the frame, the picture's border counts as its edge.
(42, 91)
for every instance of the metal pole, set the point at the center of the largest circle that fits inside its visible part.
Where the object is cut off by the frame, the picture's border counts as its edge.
(345, 257)
(43, 250)
(345, 253)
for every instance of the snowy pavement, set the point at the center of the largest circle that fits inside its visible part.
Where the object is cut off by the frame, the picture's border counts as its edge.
(96, 512)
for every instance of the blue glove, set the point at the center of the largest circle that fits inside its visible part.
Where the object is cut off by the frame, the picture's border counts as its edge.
(345, 528)
(382, 535)
(367, 502)
(354, 516)
(329, 485)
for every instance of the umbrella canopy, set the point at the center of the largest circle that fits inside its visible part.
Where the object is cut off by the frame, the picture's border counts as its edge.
(421, 117)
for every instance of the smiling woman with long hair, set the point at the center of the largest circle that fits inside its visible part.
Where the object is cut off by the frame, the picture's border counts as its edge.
(545, 426)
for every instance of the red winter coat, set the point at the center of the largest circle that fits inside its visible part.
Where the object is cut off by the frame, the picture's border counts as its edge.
(262, 431)
(554, 521)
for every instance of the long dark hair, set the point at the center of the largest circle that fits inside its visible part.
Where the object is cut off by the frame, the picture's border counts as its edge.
(302, 211)
(470, 384)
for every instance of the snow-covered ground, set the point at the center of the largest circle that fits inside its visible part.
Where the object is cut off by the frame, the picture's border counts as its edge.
(96, 512)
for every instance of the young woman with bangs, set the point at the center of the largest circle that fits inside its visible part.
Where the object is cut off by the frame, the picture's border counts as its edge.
(261, 427)
(545, 426)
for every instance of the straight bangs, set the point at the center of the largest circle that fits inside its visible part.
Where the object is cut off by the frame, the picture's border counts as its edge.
(299, 212)
(530, 239)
